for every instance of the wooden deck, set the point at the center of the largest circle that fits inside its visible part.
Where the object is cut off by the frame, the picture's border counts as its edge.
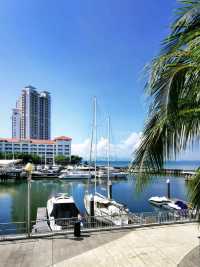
(41, 225)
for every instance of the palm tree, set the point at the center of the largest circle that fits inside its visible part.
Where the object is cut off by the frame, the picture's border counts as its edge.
(173, 122)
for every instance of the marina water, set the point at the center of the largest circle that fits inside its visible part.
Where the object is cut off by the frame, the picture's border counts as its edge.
(13, 195)
(181, 165)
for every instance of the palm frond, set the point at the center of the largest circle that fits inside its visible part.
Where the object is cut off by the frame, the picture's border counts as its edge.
(174, 90)
(194, 189)
(185, 28)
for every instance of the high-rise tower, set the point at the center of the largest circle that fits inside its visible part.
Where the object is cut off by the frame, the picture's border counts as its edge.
(16, 123)
(44, 115)
(35, 114)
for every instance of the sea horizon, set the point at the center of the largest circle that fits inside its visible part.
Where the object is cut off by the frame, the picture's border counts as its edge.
(172, 164)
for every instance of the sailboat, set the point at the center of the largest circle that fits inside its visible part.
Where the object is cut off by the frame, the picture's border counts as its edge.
(104, 207)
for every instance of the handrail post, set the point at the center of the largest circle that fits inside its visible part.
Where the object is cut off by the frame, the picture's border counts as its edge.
(28, 204)
(141, 217)
(29, 169)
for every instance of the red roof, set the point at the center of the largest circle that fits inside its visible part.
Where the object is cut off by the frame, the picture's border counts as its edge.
(36, 141)
(9, 139)
(63, 138)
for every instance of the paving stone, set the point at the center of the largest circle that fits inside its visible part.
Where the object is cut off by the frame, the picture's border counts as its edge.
(162, 246)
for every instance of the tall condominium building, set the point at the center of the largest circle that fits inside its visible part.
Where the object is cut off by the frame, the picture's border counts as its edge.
(35, 114)
(16, 123)
(44, 115)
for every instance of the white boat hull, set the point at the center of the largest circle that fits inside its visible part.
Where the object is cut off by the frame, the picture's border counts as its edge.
(74, 176)
(115, 214)
(61, 211)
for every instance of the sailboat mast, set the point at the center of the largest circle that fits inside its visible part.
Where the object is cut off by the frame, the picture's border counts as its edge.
(95, 156)
(108, 158)
(54, 155)
(91, 143)
(45, 157)
(13, 154)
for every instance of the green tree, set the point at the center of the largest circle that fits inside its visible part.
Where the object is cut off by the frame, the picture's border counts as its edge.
(25, 157)
(75, 160)
(62, 160)
(173, 87)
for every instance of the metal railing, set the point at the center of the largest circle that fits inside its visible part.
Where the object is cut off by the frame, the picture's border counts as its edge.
(15, 230)
(12, 230)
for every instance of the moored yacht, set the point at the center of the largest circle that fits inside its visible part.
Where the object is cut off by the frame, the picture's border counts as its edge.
(107, 210)
(159, 201)
(172, 206)
(176, 205)
(169, 204)
(74, 174)
(114, 173)
(60, 209)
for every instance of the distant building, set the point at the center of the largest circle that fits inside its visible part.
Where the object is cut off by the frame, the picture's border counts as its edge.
(44, 148)
(44, 115)
(35, 114)
(15, 123)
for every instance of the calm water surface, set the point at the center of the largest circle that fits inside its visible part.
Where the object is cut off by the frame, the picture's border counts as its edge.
(13, 195)
(182, 164)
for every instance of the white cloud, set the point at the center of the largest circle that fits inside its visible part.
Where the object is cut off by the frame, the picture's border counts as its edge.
(121, 150)
(81, 149)
(124, 149)
(133, 140)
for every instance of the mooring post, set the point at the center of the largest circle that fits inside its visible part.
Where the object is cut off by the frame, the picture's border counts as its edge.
(110, 189)
(91, 217)
(168, 188)
(92, 206)
(29, 169)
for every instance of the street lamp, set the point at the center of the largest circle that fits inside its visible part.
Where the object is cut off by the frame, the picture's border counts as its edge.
(28, 168)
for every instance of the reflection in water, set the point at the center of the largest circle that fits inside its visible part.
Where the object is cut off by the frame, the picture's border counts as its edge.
(13, 195)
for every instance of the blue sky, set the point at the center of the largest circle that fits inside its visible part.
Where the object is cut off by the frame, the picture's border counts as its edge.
(77, 49)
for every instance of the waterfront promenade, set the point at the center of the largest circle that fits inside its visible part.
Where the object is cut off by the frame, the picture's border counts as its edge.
(163, 246)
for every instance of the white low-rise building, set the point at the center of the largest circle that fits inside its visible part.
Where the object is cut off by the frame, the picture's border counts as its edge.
(44, 148)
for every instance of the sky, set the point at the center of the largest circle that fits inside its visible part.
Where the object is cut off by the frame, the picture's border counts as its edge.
(79, 49)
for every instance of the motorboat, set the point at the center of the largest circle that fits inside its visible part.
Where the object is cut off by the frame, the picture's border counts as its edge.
(74, 175)
(176, 205)
(55, 168)
(159, 201)
(107, 210)
(62, 211)
(182, 204)
(102, 174)
(169, 204)
(37, 173)
(172, 206)
(44, 173)
(85, 168)
(113, 172)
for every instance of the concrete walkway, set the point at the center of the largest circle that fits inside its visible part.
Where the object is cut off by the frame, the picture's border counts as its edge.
(162, 246)
(158, 246)
(192, 259)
